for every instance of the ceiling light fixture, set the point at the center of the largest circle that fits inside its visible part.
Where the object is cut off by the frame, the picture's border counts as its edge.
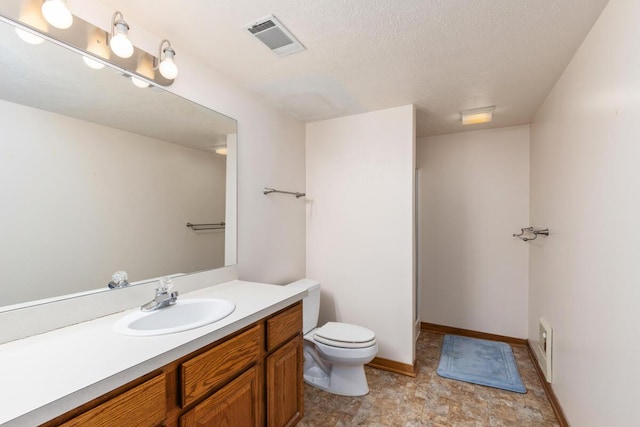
(477, 115)
(167, 67)
(219, 149)
(57, 14)
(120, 43)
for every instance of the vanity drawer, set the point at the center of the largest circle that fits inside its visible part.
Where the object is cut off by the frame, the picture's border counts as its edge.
(238, 403)
(284, 326)
(212, 368)
(144, 406)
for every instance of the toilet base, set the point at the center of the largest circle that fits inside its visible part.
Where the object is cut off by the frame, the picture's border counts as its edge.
(342, 380)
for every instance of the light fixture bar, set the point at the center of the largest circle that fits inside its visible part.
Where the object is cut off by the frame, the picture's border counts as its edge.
(477, 115)
(76, 38)
(31, 14)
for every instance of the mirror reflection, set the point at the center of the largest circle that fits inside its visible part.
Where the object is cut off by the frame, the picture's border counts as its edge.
(98, 175)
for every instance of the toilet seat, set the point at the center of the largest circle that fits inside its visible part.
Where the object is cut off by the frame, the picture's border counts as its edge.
(344, 335)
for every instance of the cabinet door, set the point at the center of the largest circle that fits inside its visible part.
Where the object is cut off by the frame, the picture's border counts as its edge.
(284, 385)
(234, 405)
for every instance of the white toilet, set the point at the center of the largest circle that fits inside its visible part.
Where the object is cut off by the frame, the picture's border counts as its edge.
(334, 354)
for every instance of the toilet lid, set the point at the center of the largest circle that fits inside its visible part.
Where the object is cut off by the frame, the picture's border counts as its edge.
(345, 335)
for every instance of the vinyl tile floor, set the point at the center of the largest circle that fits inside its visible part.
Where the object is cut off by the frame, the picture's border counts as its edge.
(432, 401)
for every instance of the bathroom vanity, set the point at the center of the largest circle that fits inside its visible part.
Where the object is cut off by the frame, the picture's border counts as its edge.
(56, 366)
(244, 370)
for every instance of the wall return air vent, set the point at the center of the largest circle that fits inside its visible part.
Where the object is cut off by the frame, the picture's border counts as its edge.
(272, 33)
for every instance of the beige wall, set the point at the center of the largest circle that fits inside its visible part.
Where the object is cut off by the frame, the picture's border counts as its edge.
(360, 224)
(585, 146)
(473, 195)
(271, 231)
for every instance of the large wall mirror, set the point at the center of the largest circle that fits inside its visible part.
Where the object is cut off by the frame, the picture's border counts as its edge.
(98, 175)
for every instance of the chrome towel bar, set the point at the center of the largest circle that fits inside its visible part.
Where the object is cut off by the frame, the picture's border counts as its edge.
(215, 226)
(268, 190)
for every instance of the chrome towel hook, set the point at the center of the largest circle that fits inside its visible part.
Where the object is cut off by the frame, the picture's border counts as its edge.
(525, 233)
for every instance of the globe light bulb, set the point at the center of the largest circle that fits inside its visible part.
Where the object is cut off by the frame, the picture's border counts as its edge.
(168, 68)
(139, 82)
(120, 43)
(92, 63)
(28, 37)
(57, 14)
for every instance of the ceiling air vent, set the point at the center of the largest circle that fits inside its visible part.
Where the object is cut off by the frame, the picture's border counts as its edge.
(271, 32)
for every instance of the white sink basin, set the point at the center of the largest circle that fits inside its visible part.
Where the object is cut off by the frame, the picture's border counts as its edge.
(185, 314)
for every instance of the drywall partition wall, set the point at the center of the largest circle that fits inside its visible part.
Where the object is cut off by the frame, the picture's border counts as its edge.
(79, 196)
(473, 195)
(585, 188)
(360, 223)
(271, 231)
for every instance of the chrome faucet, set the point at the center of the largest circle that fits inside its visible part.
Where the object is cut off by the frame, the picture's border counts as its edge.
(163, 298)
(118, 280)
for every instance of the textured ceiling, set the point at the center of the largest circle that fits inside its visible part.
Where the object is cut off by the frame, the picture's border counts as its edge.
(364, 55)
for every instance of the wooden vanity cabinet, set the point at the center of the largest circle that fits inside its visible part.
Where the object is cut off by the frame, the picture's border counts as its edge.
(234, 404)
(285, 392)
(252, 378)
(237, 404)
(213, 368)
(284, 367)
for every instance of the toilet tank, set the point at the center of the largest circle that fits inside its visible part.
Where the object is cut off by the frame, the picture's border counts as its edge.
(310, 303)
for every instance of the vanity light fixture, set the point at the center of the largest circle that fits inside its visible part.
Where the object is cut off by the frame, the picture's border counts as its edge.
(96, 44)
(120, 43)
(30, 14)
(145, 69)
(167, 67)
(57, 14)
(139, 82)
(92, 63)
(477, 115)
(28, 37)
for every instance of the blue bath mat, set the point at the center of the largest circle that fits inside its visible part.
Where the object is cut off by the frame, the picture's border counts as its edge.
(483, 362)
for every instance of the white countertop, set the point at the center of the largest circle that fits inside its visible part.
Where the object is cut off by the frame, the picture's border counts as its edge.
(46, 375)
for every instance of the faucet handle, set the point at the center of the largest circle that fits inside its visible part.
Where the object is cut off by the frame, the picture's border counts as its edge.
(164, 284)
(119, 277)
(119, 280)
